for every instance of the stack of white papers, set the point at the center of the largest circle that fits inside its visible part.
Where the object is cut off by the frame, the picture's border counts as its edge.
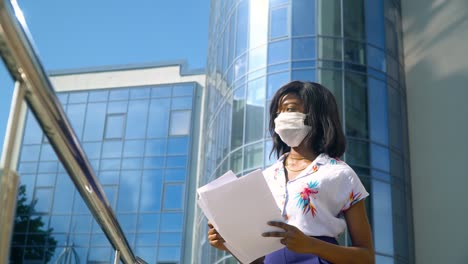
(239, 209)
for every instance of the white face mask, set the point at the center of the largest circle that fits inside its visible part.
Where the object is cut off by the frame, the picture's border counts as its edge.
(291, 128)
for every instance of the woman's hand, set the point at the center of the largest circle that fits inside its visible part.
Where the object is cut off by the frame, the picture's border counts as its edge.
(293, 238)
(215, 238)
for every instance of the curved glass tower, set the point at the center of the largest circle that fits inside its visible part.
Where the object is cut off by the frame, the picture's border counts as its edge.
(353, 47)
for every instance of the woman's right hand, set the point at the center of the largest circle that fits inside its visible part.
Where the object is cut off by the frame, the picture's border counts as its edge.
(216, 240)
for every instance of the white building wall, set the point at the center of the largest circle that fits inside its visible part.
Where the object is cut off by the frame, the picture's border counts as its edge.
(123, 78)
(436, 58)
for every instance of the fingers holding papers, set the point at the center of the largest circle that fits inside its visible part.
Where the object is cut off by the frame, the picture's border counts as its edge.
(216, 240)
(291, 237)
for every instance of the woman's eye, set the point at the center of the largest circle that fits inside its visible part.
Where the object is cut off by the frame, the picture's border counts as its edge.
(289, 109)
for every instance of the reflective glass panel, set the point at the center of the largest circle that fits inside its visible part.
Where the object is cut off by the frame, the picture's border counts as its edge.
(158, 121)
(375, 22)
(356, 105)
(151, 190)
(114, 126)
(236, 161)
(183, 89)
(382, 217)
(43, 198)
(170, 239)
(168, 254)
(303, 17)
(153, 162)
(32, 132)
(279, 26)
(112, 149)
(329, 17)
(333, 80)
(128, 222)
(355, 52)
(257, 58)
(303, 48)
(134, 148)
(242, 27)
(129, 191)
(171, 222)
(30, 153)
(180, 122)
(177, 146)
(98, 96)
(148, 222)
(180, 103)
(304, 75)
(174, 175)
(132, 163)
(330, 49)
(92, 149)
(47, 152)
(175, 162)
(380, 157)
(357, 153)
(117, 107)
(147, 239)
(45, 180)
(353, 19)
(76, 115)
(275, 81)
(139, 93)
(118, 94)
(238, 108)
(173, 197)
(253, 157)
(77, 97)
(137, 119)
(378, 111)
(376, 58)
(95, 120)
(155, 147)
(279, 51)
(255, 110)
(161, 91)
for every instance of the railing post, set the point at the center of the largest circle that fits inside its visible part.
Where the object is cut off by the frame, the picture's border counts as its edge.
(117, 257)
(8, 176)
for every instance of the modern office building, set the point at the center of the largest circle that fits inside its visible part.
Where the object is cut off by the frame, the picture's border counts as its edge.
(139, 128)
(353, 47)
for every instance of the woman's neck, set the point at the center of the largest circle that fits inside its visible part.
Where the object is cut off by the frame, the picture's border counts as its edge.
(302, 152)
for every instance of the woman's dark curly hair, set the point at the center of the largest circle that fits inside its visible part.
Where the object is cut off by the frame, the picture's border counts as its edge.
(326, 135)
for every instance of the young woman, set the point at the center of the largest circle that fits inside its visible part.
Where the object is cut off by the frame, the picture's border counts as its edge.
(318, 194)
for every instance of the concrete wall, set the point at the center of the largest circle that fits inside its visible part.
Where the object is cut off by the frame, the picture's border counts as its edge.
(436, 51)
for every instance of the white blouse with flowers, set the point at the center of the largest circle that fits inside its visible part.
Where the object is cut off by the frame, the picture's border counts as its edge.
(315, 199)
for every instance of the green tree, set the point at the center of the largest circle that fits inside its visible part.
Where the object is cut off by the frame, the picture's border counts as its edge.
(29, 231)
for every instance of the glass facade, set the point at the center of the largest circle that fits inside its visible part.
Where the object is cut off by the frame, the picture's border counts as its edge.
(138, 140)
(353, 47)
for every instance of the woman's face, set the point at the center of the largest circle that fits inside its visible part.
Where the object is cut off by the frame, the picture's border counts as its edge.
(290, 103)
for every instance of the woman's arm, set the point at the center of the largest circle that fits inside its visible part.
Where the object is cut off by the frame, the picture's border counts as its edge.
(362, 251)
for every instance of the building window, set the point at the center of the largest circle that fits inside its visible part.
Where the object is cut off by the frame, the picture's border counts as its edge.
(114, 126)
(279, 24)
(180, 123)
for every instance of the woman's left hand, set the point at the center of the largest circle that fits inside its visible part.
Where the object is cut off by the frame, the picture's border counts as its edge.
(293, 238)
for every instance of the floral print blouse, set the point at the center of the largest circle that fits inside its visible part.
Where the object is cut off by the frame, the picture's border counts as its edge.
(315, 200)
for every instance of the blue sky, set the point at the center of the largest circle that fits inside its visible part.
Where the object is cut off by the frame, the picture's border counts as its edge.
(90, 33)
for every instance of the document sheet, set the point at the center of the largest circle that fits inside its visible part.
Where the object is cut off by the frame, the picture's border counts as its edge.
(239, 209)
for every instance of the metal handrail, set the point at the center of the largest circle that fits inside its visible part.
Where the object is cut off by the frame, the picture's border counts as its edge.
(24, 66)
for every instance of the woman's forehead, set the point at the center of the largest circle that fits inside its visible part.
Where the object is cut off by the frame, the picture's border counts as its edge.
(290, 98)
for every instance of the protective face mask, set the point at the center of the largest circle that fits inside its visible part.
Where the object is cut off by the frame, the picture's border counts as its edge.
(291, 128)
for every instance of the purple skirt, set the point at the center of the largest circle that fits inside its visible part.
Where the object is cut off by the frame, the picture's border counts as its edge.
(286, 256)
